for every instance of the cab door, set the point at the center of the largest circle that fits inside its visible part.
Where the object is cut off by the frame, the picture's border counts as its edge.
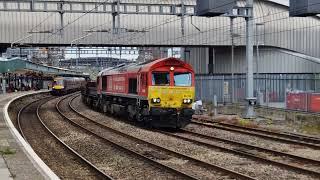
(143, 84)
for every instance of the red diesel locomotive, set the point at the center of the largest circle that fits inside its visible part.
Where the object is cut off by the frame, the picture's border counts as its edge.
(159, 92)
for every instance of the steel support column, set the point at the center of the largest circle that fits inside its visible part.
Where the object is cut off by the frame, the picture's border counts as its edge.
(113, 23)
(61, 25)
(183, 29)
(4, 85)
(232, 58)
(211, 60)
(116, 17)
(249, 58)
(78, 59)
(61, 18)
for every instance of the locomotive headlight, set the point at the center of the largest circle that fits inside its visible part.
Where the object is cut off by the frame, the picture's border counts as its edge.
(187, 101)
(156, 100)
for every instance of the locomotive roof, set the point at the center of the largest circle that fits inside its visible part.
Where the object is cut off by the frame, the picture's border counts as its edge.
(145, 66)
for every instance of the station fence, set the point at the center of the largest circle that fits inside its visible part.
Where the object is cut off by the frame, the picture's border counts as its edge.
(270, 89)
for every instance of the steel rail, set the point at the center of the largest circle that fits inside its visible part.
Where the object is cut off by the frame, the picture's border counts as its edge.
(197, 161)
(104, 175)
(19, 118)
(305, 138)
(249, 146)
(289, 135)
(265, 136)
(308, 139)
(247, 154)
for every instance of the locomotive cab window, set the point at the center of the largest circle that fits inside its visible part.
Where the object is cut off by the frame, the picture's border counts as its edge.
(182, 79)
(160, 79)
(58, 82)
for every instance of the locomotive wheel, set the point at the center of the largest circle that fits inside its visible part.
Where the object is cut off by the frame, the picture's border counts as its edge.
(111, 110)
(139, 117)
(96, 105)
(131, 117)
(88, 101)
(104, 108)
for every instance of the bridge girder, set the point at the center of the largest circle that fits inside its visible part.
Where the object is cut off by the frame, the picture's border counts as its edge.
(69, 6)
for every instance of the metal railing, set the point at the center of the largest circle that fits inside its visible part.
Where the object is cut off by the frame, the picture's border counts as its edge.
(269, 88)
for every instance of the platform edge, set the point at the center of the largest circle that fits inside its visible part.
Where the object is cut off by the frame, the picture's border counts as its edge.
(33, 157)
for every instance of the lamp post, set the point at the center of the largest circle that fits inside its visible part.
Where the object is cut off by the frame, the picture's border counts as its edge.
(233, 35)
(250, 114)
(258, 57)
(232, 59)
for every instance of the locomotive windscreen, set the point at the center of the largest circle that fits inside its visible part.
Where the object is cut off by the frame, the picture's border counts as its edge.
(160, 79)
(182, 79)
(58, 82)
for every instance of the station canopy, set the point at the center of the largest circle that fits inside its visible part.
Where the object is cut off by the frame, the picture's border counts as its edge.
(22, 66)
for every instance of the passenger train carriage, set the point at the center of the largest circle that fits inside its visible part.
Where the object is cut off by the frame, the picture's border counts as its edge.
(159, 92)
(65, 85)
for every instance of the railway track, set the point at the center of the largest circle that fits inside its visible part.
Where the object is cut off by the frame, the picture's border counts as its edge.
(275, 136)
(289, 161)
(286, 134)
(173, 154)
(292, 136)
(119, 146)
(31, 124)
(19, 117)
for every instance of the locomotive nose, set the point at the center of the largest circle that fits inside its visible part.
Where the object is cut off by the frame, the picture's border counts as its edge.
(171, 97)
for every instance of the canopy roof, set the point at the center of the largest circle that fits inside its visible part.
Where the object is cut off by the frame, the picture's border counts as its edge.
(21, 66)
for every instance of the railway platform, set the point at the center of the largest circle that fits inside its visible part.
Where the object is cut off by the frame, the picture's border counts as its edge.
(15, 163)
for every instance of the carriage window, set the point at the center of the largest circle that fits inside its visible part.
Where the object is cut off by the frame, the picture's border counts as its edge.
(160, 79)
(182, 79)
